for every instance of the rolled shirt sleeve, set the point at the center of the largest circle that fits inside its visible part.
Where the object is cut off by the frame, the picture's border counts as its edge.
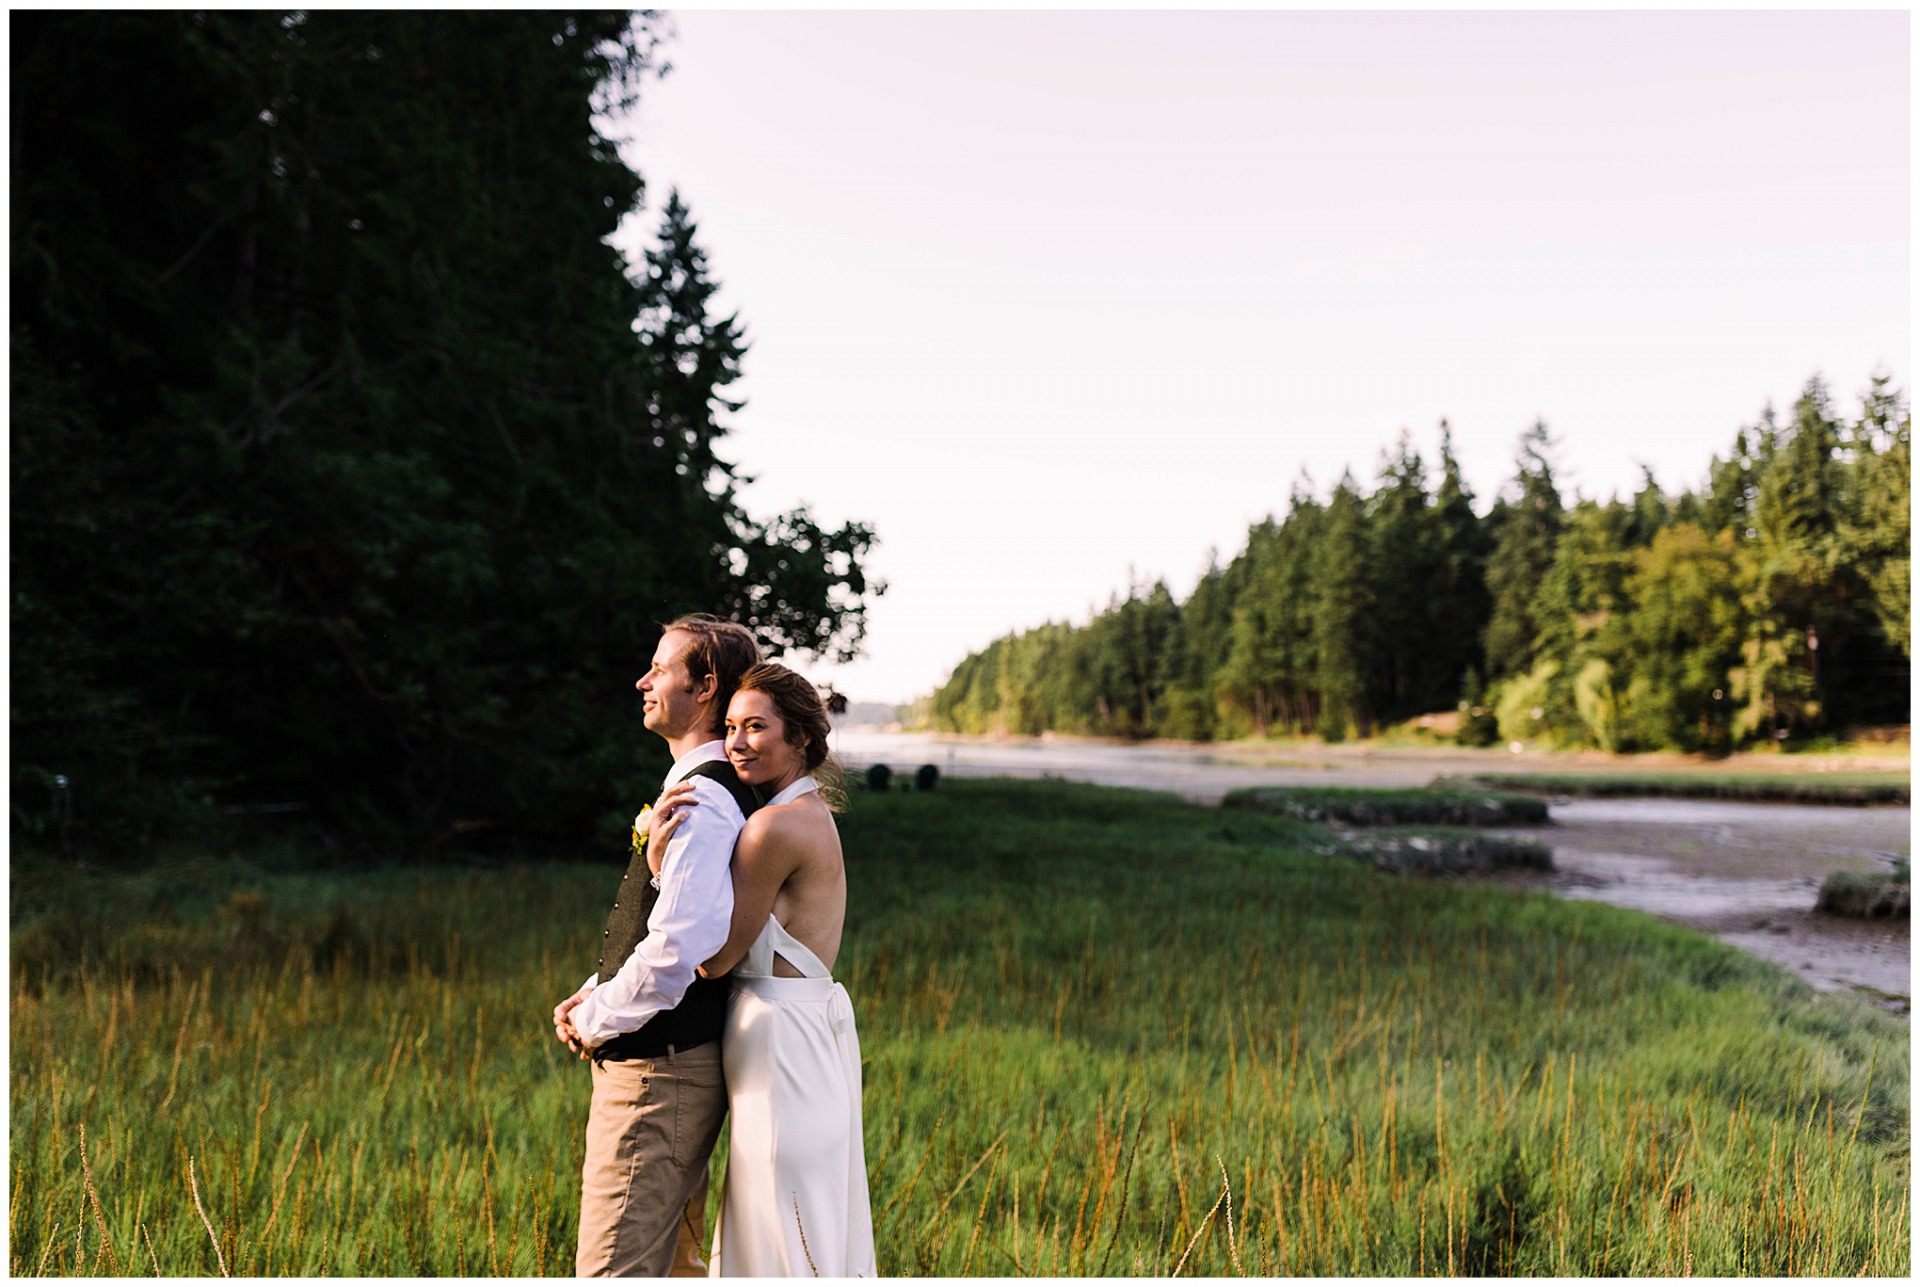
(689, 922)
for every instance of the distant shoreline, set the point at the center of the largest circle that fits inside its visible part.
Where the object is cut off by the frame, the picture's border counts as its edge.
(1852, 757)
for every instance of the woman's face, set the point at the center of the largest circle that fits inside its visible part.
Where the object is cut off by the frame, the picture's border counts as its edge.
(757, 742)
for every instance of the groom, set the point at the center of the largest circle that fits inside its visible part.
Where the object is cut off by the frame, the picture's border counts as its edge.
(648, 1022)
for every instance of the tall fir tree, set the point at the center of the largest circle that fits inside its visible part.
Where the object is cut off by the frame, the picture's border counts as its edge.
(1877, 524)
(1403, 565)
(1457, 604)
(341, 477)
(1525, 530)
(1344, 645)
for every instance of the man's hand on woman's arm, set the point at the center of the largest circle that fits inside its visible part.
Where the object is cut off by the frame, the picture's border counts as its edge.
(667, 817)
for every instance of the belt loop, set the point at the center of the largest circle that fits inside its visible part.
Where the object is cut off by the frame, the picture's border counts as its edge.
(670, 1052)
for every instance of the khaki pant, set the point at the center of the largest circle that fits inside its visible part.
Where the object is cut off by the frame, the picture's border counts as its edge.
(643, 1189)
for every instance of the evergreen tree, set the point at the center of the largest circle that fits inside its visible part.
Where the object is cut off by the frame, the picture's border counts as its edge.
(1199, 653)
(1268, 673)
(1525, 530)
(1731, 483)
(1255, 667)
(1876, 534)
(1456, 601)
(341, 476)
(1791, 570)
(1651, 511)
(1343, 603)
(1404, 566)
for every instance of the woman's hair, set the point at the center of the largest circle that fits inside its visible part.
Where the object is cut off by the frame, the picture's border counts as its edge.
(805, 716)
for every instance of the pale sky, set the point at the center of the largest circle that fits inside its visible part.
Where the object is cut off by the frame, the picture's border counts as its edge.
(1046, 297)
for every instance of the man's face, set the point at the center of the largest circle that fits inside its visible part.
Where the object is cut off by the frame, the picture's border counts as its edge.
(671, 701)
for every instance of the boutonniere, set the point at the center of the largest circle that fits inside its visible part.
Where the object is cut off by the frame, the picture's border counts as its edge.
(642, 821)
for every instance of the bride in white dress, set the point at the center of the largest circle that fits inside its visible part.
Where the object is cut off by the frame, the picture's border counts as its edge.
(795, 1199)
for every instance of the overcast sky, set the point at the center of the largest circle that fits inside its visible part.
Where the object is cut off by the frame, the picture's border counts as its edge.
(1046, 297)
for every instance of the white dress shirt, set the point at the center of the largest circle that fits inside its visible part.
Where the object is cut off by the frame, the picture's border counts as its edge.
(689, 922)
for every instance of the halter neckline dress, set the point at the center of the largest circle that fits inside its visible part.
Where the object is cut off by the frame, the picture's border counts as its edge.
(795, 1202)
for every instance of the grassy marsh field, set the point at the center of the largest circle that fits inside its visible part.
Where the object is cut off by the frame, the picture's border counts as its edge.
(1105, 1032)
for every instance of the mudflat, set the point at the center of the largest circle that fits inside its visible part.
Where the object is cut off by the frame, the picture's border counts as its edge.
(1746, 873)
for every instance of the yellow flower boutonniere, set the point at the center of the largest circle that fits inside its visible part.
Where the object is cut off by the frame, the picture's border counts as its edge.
(642, 821)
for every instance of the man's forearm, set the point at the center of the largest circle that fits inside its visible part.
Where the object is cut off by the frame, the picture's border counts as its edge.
(629, 999)
(688, 924)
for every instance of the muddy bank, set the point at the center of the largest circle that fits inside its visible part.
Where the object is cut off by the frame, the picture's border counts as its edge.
(1746, 873)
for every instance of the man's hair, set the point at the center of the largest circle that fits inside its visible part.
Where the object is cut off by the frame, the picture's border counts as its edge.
(724, 649)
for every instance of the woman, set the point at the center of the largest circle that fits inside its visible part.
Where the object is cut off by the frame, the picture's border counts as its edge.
(795, 1201)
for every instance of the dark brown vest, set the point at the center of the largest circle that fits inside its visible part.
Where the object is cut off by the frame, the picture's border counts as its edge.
(702, 1013)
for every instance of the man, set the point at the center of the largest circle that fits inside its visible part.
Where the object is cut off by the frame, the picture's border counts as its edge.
(648, 1022)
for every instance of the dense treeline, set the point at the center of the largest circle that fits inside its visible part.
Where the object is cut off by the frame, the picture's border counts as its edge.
(1772, 603)
(351, 464)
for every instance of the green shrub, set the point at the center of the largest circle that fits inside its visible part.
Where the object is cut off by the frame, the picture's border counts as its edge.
(1866, 895)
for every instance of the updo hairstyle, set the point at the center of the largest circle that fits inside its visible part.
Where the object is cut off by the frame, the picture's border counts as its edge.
(805, 717)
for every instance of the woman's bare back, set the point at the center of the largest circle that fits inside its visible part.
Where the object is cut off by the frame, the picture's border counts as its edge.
(812, 902)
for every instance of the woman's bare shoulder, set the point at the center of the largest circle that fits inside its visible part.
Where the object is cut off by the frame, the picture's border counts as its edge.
(797, 823)
(776, 822)
(760, 825)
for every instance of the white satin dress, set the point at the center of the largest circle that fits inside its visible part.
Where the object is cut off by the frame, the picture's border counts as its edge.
(795, 1201)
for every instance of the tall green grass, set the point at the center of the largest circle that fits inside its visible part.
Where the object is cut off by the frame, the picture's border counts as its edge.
(1105, 1032)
